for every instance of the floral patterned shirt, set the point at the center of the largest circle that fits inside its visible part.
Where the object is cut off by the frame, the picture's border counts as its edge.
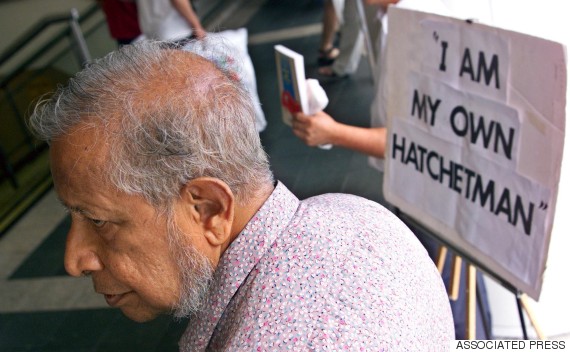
(330, 273)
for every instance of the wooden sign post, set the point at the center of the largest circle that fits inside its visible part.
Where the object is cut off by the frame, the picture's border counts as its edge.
(471, 295)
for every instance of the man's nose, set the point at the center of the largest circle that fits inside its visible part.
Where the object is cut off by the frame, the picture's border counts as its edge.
(81, 250)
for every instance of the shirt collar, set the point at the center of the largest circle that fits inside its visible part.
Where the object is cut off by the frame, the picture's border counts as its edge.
(239, 260)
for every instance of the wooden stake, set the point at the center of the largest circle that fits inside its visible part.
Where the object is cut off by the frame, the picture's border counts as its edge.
(440, 262)
(532, 317)
(453, 290)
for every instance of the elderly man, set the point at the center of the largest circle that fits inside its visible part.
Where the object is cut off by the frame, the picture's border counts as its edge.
(174, 210)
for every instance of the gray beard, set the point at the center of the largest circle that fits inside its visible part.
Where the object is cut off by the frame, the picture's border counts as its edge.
(196, 273)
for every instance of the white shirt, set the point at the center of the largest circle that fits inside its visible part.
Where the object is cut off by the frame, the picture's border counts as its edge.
(160, 20)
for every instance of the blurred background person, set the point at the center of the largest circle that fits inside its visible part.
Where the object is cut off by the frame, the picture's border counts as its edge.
(328, 52)
(122, 20)
(172, 20)
(321, 128)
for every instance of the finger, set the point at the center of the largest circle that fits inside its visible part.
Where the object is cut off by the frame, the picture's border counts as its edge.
(300, 133)
(301, 125)
(301, 117)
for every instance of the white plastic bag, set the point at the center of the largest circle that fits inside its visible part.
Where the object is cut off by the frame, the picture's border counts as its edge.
(230, 48)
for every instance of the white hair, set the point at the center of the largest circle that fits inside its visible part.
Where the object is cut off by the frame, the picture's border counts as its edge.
(164, 122)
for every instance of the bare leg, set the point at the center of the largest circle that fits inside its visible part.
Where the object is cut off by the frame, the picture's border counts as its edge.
(330, 23)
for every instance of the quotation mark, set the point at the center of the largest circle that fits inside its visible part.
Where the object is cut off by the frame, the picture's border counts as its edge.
(543, 205)
(435, 36)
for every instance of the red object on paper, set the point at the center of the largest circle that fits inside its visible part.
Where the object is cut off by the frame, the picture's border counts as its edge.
(290, 103)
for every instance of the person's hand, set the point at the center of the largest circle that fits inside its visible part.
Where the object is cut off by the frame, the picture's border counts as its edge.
(199, 33)
(315, 129)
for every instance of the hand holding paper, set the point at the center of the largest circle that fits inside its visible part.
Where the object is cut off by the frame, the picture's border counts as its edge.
(297, 94)
(317, 101)
(315, 130)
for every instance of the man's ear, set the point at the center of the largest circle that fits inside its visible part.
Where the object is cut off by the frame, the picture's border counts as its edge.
(210, 202)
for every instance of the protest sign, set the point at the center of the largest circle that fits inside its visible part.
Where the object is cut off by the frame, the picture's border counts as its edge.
(475, 138)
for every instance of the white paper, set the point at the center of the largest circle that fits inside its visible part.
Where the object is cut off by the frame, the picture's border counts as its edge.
(507, 226)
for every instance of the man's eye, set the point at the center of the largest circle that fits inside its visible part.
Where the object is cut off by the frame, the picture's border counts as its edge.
(98, 223)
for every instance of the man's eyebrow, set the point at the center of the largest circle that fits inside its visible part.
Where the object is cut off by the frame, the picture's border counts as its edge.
(71, 208)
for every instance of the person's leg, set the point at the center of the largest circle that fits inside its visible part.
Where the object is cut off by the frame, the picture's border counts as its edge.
(327, 52)
(351, 42)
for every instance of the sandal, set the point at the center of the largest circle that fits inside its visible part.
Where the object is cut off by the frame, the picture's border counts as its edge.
(327, 57)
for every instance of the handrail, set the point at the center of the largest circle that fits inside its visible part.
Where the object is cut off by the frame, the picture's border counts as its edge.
(78, 42)
(31, 34)
(34, 32)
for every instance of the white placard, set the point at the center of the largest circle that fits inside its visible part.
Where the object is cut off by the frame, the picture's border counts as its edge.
(474, 143)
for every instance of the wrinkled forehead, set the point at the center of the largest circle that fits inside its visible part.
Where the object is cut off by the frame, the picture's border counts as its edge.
(81, 151)
(79, 168)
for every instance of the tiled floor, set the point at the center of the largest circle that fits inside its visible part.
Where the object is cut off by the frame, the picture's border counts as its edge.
(43, 310)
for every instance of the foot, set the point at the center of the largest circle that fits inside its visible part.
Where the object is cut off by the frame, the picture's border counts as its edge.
(327, 56)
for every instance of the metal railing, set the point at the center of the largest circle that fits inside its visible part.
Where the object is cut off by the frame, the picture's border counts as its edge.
(44, 56)
(72, 30)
